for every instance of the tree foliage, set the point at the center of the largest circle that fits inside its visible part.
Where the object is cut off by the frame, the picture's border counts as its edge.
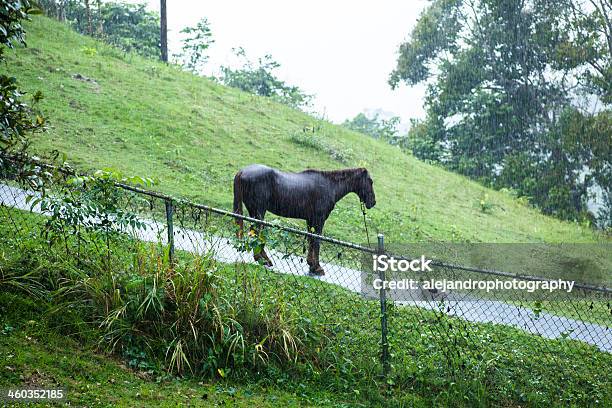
(131, 27)
(260, 79)
(197, 41)
(376, 127)
(512, 86)
(17, 119)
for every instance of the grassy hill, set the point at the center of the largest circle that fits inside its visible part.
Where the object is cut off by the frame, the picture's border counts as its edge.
(36, 356)
(45, 359)
(106, 108)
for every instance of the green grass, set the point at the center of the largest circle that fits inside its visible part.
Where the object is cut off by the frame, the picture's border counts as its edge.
(192, 134)
(437, 360)
(34, 355)
(37, 357)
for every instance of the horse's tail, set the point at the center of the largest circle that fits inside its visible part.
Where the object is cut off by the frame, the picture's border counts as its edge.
(238, 202)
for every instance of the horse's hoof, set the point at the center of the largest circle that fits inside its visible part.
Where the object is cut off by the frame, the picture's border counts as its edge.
(265, 264)
(317, 271)
(263, 260)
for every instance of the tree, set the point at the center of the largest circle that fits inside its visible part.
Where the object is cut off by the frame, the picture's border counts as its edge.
(17, 119)
(259, 79)
(131, 27)
(591, 23)
(198, 39)
(55, 8)
(376, 127)
(507, 84)
(163, 30)
(89, 19)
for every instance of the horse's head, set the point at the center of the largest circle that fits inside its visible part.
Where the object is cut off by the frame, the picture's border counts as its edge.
(365, 189)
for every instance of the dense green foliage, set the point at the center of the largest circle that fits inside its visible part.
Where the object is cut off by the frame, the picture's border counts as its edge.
(130, 27)
(259, 79)
(510, 96)
(17, 119)
(192, 134)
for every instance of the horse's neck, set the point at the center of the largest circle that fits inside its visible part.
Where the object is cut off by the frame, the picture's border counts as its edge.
(343, 186)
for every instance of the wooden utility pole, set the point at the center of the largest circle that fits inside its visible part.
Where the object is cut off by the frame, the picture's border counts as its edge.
(100, 27)
(61, 10)
(89, 24)
(164, 30)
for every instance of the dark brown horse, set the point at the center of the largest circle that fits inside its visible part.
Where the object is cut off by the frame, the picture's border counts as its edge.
(310, 195)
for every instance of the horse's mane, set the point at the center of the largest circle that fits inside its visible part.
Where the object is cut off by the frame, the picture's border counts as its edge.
(336, 175)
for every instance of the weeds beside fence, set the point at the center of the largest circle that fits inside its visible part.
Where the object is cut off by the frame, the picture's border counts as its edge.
(332, 324)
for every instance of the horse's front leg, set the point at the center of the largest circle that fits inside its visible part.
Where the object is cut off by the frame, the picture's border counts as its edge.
(261, 256)
(310, 257)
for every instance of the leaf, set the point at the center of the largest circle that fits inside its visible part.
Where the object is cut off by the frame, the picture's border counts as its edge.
(35, 11)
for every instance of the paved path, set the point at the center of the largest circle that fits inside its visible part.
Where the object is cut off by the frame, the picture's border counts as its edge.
(475, 310)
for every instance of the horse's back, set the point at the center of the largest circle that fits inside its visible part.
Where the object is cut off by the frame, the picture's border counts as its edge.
(257, 180)
(279, 180)
(255, 171)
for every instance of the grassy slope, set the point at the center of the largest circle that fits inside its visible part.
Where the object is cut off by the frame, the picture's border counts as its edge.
(436, 360)
(44, 359)
(193, 135)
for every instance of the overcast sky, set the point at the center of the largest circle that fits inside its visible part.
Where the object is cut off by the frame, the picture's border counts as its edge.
(342, 51)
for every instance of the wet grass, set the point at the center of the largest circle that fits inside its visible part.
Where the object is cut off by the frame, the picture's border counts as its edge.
(55, 334)
(42, 358)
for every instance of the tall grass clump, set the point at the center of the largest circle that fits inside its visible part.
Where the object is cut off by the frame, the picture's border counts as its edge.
(184, 319)
(310, 139)
(194, 316)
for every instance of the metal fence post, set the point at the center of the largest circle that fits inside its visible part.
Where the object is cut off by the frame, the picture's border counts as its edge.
(383, 314)
(169, 212)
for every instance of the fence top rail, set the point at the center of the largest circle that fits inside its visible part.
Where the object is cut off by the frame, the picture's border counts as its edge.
(296, 231)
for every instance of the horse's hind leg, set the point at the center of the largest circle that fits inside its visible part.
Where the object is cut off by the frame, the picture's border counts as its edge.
(261, 256)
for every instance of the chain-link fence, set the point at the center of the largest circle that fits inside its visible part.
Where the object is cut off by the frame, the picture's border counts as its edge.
(462, 326)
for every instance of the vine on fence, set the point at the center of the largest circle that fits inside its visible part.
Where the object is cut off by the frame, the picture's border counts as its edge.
(87, 209)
